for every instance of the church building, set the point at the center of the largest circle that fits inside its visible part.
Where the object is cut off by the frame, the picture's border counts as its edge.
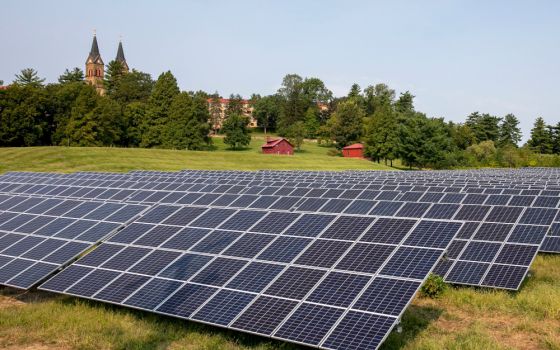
(95, 68)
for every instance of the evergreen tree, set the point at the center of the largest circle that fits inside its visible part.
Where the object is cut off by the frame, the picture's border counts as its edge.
(81, 127)
(405, 104)
(157, 113)
(29, 76)
(346, 123)
(510, 134)
(71, 76)
(133, 86)
(377, 96)
(424, 142)
(113, 74)
(540, 140)
(484, 126)
(237, 134)
(555, 136)
(188, 125)
(293, 106)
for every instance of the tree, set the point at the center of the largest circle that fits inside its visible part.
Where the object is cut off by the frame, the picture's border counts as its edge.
(484, 126)
(113, 74)
(188, 125)
(484, 151)
(376, 96)
(71, 76)
(157, 113)
(462, 136)
(237, 133)
(555, 136)
(405, 104)
(29, 76)
(510, 134)
(80, 127)
(346, 123)
(381, 140)
(133, 86)
(215, 112)
(267, 110)
(234, 106)
(23, 117)
(134, 114)
(541, 140)
(311, 123)
(296, 134)
(291, 92)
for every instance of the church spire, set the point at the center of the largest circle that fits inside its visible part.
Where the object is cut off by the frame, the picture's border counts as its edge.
(120, 56)
(94, 55)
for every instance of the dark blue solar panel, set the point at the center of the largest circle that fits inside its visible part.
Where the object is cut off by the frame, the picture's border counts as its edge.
(121, 288)
(223, 307)
(264, 315)
(255, 277)
(219, 271)
(184, 216)
(347, 227)
(351, 334)
(157, 235)
(284, 249)
(323, 253)
(385, 208)
(61, 281)
(130, 233)
(157, 214)
(249, 245)
(365, 257)
(413, 210)
(185, 267)
(186, 300)
(467, 272)
(153, 293)
(493, 232)
(411, 262)
(338, 289)
(310, 225)
(513, 254)
(441, 211)
(309, 324)
(75, 229)
(32, 275)
(216, 242)
(505, 276)
(295, 282)
(275, 222)
(126, 258)
(433, 234)
(242, 220)
(386, 230)
(480, 251)
(538, 216)
(387, 296)
(155, 262)
(213, 218)
(93, 282)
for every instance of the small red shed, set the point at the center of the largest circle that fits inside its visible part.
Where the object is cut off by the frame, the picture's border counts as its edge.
(277, 146)
(353, 151)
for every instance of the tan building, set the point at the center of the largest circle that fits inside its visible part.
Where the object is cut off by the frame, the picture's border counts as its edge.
(217, 121)
(95, 68)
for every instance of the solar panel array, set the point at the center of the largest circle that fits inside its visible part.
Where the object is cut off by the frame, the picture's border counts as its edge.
(327, 259)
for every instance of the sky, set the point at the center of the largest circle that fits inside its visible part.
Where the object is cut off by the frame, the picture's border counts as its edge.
(455, 56)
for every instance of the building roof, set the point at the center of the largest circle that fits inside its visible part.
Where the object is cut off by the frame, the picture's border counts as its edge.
(273, 142)
(4, 87)
(94, 55)
(355, 146)
(226, 101)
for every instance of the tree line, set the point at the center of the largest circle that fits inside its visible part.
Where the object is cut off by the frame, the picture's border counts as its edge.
(137, 111)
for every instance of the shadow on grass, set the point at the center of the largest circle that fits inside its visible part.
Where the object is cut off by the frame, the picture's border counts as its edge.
(414, 321)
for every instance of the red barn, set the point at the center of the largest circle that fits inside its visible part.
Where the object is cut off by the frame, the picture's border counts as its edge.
(353, 151)
(277, 146)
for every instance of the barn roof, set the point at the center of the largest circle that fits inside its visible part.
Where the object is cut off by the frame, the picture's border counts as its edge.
(355, 146)
(273, 142)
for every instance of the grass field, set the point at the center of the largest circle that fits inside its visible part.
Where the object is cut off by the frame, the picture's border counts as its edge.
(462, 318)
(68, 159)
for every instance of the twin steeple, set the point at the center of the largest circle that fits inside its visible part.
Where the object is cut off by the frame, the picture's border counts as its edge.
(95, 68)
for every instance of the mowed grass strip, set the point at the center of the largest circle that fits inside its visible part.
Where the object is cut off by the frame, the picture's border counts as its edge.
(462, 318)
(70, 159)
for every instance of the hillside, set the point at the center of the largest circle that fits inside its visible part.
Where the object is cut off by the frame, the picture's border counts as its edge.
(68, 159)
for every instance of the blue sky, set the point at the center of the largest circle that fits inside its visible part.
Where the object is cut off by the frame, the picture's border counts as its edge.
(456, 56)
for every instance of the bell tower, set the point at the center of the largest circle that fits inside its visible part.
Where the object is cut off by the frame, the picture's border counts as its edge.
(95, 68)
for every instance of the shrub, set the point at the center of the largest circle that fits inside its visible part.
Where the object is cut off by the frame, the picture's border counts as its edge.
(433, 287)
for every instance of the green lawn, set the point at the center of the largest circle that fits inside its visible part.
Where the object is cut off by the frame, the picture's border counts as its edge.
(68, 159)
(462, 318)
